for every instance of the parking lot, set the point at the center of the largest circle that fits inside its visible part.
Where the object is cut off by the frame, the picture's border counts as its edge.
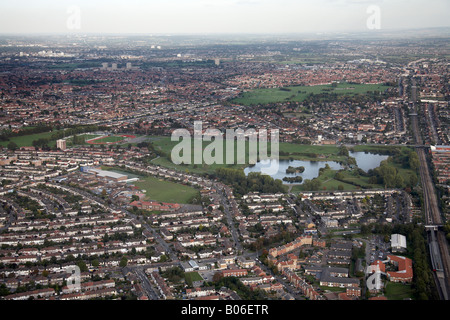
(379, 249)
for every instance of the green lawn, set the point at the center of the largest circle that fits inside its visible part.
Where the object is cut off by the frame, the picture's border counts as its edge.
(398, 291)
(27, 141)
(328, 183)
(166, 191)
(191, 277)
(353, 176)
(300, 93)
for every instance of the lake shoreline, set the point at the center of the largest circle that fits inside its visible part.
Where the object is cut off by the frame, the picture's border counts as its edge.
(364, 161)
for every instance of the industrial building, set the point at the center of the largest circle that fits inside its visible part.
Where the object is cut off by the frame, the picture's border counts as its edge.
(108, 175)
(398, 243)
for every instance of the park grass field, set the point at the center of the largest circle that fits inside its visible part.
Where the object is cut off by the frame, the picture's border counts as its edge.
(109, 139)
(300, 93)
(159, 189)
(305, 151)
(287, 151)
(328, 183)
(398, 291)
(166, 191)
(27, 141)
(82, 137)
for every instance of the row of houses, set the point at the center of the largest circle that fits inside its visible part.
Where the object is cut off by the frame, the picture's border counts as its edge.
(101, 293)
(297, 243)
(35, 294)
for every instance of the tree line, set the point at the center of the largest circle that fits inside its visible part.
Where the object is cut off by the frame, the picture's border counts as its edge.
(254, 182)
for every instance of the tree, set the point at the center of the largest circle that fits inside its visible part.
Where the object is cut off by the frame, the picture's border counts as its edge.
(217, 277)
(414, 162)
(413, 180)
(123, 262)
(13, 146)
(399, 182)
(95, 263)
(82, 265)
(343, 151)
(339, 176)
(4, 291)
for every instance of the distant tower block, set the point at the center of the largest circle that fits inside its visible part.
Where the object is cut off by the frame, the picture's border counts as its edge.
(129, 66)
(217, 62)
(61, 144)
(104, 66)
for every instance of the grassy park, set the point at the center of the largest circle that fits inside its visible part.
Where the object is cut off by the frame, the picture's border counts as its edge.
(159, 189)
(348, 179)
(166, 191)
(300, 93)
(27, 140)
(288, 151)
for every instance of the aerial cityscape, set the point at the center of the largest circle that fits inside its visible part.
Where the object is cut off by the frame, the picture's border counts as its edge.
(224, 166)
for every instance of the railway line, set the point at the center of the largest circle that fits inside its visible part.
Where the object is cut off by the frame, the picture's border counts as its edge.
(437, 243)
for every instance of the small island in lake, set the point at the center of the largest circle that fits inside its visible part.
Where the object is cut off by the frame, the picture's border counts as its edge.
(297, 179)
(300, 169)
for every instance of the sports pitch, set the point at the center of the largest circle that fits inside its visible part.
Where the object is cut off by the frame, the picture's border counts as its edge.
(109, 139)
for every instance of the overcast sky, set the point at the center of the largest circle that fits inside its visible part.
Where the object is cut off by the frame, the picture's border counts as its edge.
(216, 16)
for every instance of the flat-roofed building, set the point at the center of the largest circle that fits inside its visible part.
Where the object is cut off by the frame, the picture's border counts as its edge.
(398, 242)
(109, 175)
(61, 144)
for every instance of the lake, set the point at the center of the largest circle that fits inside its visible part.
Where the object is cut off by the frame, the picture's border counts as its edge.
(365, 161)
(368, 161)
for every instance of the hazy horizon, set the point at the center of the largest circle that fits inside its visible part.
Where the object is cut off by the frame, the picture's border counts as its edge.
(218, 16)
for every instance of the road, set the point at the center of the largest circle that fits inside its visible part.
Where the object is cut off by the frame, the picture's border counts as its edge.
(290, 289)
(150, 291)
(234, 233)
